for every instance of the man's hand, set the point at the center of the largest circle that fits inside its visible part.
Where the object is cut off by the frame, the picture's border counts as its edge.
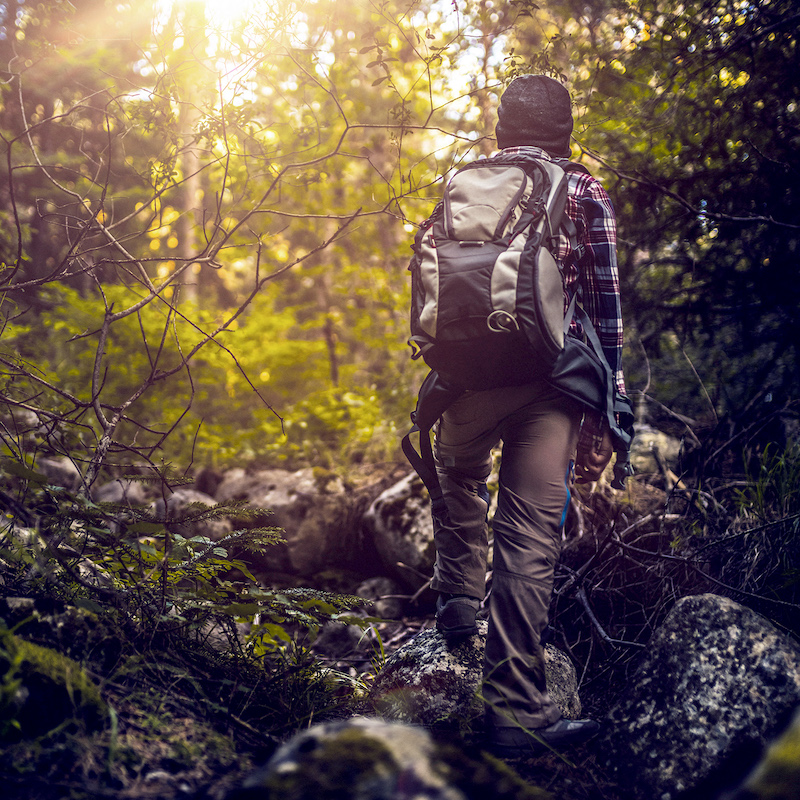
(593, 457)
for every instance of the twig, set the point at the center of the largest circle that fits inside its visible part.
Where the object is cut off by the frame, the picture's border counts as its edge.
(581, 595)
(688, 563)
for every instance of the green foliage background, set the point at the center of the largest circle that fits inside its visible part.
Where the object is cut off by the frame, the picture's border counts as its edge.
(207, 226)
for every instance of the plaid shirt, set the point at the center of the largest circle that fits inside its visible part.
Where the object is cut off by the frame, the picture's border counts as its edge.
(591, 269)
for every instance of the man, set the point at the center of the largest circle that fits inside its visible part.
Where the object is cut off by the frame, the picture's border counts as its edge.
(541, 429)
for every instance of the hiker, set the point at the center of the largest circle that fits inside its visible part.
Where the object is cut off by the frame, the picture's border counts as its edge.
(549, 439)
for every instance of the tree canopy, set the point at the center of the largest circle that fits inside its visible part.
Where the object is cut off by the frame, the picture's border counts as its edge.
(697, 119)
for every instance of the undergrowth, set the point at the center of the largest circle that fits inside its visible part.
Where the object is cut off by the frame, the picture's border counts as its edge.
(205, 671)
(193, 654)
(635, 554)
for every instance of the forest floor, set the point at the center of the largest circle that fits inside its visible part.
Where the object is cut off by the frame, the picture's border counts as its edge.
(166, 738)
(184, 721)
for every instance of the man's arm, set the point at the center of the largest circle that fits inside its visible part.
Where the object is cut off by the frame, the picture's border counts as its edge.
(598, 275)
(598, 279)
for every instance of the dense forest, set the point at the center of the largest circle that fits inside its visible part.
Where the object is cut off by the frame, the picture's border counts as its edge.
(207, 210)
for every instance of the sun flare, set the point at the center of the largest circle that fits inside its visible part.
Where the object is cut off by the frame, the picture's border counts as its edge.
(220, 14)
(225, 12)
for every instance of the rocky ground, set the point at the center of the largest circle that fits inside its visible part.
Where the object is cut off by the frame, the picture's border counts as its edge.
(168, 735)
(181, 718)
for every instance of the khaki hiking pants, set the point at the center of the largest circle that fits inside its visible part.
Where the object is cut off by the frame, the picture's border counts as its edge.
(539, 430)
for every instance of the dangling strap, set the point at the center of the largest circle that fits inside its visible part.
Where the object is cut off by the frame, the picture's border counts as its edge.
(617, 406)
(435, 397)
(570, 313)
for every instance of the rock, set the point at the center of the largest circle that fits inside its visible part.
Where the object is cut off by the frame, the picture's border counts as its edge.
(60, 472)
(30, 540)
(322, 528)
(353, 647)
(777, 775)
(361, 757)
(177, 514)
(329, 536)
(123, 495)
(385, 595)
(399, 523)
(76, 633)
(370, 759)
(424, 682)
(344, 646)
(18, 422)
(267, 488)
(716, 683)
(650, 444)
(122, 492)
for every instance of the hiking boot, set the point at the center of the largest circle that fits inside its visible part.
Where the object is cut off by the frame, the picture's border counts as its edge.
(455, 616)
(519, 742)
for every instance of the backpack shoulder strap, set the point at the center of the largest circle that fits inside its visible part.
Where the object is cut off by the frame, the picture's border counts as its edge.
(435, 397)
(571, 166)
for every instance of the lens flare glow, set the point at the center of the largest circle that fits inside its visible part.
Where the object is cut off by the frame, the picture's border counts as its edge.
(226, 12)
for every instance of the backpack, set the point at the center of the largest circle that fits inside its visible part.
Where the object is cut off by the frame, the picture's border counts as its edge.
(487, 306)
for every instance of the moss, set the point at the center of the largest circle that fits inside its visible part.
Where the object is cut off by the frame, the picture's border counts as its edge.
(331, 770)
(357, 762)
(778, 775)
(42, 689)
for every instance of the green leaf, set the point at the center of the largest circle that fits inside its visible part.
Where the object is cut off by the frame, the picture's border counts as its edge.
(241, 609)
(20, 470)
(89, 605)
(244, 569)
(276, 632)
(145, 528)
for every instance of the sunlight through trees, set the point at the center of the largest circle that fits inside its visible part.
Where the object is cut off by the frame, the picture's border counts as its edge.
(208, 207)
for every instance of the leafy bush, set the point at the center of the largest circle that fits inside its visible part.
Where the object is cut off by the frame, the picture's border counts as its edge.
(158, 590)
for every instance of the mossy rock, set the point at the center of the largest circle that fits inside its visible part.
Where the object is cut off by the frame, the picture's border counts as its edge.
(777, 777)
(41, 689)
(372, 759)
(71, 630)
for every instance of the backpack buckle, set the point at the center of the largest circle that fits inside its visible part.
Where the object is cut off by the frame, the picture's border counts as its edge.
(502, 322)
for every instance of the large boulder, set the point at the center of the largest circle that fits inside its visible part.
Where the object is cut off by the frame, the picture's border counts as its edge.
(429, 683)
(717, 682)
(370, 759)
(400, 526)
(321, 521)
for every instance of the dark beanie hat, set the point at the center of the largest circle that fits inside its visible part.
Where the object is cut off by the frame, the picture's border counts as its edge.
(535, 110)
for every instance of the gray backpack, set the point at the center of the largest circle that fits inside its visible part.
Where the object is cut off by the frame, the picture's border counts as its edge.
(487, 305)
